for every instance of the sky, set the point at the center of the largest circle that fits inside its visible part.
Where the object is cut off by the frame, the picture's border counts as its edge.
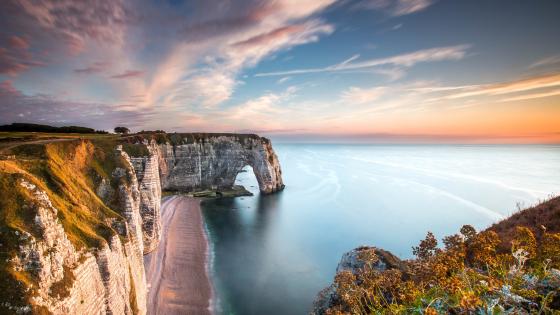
(293, 70)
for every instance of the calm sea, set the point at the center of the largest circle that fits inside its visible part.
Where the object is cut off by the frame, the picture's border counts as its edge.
(272, 254)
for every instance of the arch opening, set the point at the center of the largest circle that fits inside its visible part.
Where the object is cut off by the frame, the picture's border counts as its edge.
(246, 179)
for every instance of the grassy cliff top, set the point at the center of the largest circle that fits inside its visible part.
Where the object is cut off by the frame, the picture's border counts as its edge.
(544, 216)
(186, 138)
(9, 139)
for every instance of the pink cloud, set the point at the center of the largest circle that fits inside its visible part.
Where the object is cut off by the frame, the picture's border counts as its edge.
(7, 89)
(272, 36)
(18, 43)
(128, 74)
(14, 62)
(16, 106)
(395, 7)
(77, 21)
(95, 67)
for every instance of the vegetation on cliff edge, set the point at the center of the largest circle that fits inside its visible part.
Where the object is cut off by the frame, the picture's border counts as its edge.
(474, 273)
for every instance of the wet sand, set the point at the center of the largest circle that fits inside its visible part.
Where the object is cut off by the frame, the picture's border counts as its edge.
(176, 272)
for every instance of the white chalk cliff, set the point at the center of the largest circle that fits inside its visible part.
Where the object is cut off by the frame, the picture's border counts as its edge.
(110, 278)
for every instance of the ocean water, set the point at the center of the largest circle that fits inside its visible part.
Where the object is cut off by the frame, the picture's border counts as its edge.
(272, 254)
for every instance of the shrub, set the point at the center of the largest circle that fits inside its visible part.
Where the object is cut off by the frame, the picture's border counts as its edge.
(468, 276)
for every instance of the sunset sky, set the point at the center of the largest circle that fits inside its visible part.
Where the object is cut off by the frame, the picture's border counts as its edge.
(317, 70)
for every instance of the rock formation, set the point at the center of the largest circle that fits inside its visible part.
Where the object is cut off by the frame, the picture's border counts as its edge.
(81, 282)
(211, 162)
(353, 261)
(56, 268)
(147, 174)
(214, 161)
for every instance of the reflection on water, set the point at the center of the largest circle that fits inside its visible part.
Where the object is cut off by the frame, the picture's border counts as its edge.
(273, 253)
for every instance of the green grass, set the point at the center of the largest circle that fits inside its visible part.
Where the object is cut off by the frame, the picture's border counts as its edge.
(135, 150)
(52, 135)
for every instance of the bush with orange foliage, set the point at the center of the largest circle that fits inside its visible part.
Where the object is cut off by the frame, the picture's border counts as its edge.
(469, 275)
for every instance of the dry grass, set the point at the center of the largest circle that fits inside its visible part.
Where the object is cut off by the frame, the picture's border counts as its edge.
(545, 214)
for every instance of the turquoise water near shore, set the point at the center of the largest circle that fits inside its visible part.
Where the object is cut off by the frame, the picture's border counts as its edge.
(272, 254)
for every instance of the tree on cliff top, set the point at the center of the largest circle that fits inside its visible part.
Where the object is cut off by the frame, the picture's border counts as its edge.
(122, 130)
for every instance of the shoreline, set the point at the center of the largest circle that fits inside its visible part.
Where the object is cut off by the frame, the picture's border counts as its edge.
(178, 271)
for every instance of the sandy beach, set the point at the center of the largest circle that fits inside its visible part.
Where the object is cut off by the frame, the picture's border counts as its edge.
(176, 272)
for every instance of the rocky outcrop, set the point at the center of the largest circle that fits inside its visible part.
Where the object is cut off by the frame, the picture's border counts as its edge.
(214, 161)
(353, 261)
(356, 259)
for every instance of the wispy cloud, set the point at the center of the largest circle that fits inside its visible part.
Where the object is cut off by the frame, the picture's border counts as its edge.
(356, 95)
(522, 85)
(14, 61)
(395, 7)
(263, 107)
(392, 74)
(283, 80)
(552, 60)
(77, 21)
(19, 42)
(128, 74)
(18, 107)
(96, 67)
(233, 49)
(404, 60)
(532, 96)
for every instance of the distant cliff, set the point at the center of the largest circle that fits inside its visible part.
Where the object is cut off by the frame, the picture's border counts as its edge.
(77, 215)
(214, 162)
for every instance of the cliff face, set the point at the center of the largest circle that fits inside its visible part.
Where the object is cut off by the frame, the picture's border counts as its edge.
(147, 174)
(81, 282)
(213, 162)
(208, 162)
(77, 216)
(88, 264)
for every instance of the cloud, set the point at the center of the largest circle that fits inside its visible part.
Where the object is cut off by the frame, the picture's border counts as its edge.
(14, 61)
(356, 95)
(19, 43)
(261, 131)
(128, 74)
(552, 60)
(517, 86)
(263, 107)
(395, 7)
(7, 89)
(249, 38)
(271, 37)
(532, 96)
(283, 80)
(457, 52)
(96, 67)
(77, 21)
(392, 74)
(18, 107)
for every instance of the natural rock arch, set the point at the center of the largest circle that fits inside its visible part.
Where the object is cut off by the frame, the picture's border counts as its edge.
(213, 162)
